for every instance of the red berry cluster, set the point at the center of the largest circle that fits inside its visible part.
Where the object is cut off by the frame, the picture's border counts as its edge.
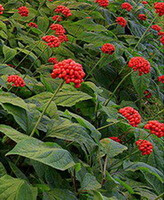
(144, 2)
(161, 79)
(121, 21)
(60, 32)
(131, 115)
(59, 29)
(126, 6)
(31, 24)
(147, 94)
(52, 60)
(156, 27)
(63, 38)
(155, 128)
(144, 146)
(51, 40)
(57, 18)
(64, 10)
(139, 64)
(142, 17)
(159, 8)
(16, 80)
(23, 11)
(103, 3)
(108, 48)
(116, 139)
(1, 9)
(70, 71)
(162, 40)
(161, 33)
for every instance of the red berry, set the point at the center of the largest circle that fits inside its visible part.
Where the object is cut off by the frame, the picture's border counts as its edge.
(108, 48)
(103, 3)
(155, 127)
(159, 8)
(16, 80)
(64, 10)
(1, 9)
(144, 146)
(121, 21)
(161, 79)
(139, 64)
(156, 27)
(131, 115)
(116, 139)
(126, 6)
(31, 24)
(70, 71)
(23, 11)
(142, 17)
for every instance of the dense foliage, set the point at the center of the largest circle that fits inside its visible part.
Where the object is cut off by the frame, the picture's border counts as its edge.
(81, 100)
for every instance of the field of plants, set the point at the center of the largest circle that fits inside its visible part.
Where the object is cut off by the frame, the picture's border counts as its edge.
(81, 100)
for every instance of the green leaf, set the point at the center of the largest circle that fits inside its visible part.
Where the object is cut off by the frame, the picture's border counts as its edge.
(59, 194)
(99, 196)
(9, 53)
(134, 166)
(66, 130)
(12, 133)
(112, 148)
(43, 23)
(50, 154)
(6, 97)
(2, 170)
(89, 182)
(65, 98)
(125, 185)
(16, 189)
(141, 83)
(95, 134)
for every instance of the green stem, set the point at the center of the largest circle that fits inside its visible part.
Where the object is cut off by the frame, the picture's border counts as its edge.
(107, 101)
(160, 196)
(145, 33)
(128, 156)
(94, 67)
(106, 126)
(46, 107)
(104, 170)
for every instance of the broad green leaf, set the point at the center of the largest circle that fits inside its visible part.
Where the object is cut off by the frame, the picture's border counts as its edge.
(112, 148)
(43, 23)
(66, 130)
(141, 83)
(65, 98)
(27, 118)
(99, 196)
(125, 185)
(12, 133)
(2, 170)
(95, 134)
(7, 70)
(6, 97)
(18, 173)
(134, 166)
(50, 154)
(9, 53)
(59, 194)
(16, 189)
(89, 182)
(146, 193)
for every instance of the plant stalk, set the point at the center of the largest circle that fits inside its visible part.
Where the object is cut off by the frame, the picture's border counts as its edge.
(107, 101)
(46, 107)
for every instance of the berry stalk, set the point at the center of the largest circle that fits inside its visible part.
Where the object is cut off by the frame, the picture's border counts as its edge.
(46, 107)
